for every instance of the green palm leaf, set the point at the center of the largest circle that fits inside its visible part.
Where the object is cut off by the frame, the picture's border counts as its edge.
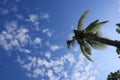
(85, 50)
(118, 29)
(70, 43)
(98, 33)
(118, 24)
(118, 51)
(93, 27)
(77, 31)
(95, 44)
(81, 20)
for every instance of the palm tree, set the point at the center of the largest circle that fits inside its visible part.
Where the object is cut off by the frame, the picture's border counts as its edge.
(90, 37)
(114, 76)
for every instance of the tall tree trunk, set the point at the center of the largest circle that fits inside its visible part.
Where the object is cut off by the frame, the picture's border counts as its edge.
(102, 40)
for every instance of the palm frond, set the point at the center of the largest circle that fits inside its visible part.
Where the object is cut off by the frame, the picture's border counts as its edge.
(77, 31)
(118, 51)
(81, 20)
(118, 28)
(96, 45)
(85, 50)
(94, 26)
(70, 43)
(91, 25)
(98, 33)
(118, 25)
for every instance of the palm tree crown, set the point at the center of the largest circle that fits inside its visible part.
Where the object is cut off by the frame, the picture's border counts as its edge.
(90, 37)
(114, 76)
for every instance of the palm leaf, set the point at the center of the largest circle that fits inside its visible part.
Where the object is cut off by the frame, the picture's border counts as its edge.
(85, 50)
(81, 20)
(77, 31)
(98, 33)
(70, 43)
(118, 51)
(95, 44)
(118, 29)
(91, 25)
(118, 25)
(95, 27)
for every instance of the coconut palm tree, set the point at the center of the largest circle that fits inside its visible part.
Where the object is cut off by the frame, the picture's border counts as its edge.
(90, 37)
(114, 76)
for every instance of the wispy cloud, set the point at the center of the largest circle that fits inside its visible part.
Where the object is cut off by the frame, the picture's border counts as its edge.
(34, 19)
(14, 37)
(23, 36)
(48, 54)
(37, 40)
(24, 50)
(76, 69)
(45, 16)
(54, 47)
(48, 32)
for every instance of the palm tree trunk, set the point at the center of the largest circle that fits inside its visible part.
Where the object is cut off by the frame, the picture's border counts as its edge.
(114, 43)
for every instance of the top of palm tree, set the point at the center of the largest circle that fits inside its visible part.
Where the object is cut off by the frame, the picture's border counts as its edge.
(92, 29)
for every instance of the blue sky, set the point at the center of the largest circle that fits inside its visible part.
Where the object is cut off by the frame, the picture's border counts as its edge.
(33, 36)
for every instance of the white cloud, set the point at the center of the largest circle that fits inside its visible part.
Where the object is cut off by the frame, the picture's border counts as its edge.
(45, 16)
(37, 72)
(48, 32)
(70, 58)
(27, 66)
(48, 54)
(34, 19)
(37, 40)
(22, 36)
(15, 42)
(92, 78)
(76, 69)
(20, 60)
(14, 37)
(54, 47)
(51, 75)
(24, 50)
(83, 70)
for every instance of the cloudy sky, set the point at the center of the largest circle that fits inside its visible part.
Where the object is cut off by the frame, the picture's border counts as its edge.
(33, 36)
